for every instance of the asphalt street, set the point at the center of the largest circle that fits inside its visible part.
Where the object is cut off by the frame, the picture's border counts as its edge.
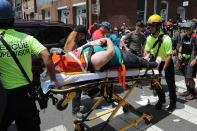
(184, 118)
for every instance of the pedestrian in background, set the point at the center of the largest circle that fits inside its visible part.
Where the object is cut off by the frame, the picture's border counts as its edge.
(92, 28)
(123, 37)
(135, 40)
(147, 31)
(105, 27)
(116, 36)
(20, 106)
(186, 55)
(123, 28)
(76, 39)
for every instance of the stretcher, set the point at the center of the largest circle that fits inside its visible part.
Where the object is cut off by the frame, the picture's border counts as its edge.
(70, 83)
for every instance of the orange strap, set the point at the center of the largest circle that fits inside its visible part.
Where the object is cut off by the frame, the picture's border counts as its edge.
(63, 66)
(124, 76)
(119, 75)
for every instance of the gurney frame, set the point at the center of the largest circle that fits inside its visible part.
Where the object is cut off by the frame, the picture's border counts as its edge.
(108, 94)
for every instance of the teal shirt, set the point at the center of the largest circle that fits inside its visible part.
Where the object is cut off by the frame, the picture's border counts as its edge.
(117, 58)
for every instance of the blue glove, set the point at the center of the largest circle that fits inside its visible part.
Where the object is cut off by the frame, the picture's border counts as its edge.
(46, 88)
(163, 73)
(52, 85)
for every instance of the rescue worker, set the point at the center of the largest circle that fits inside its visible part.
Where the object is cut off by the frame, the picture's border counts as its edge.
(76, 38)
(166, 67)
(21, 106)
(186, 55)
(105, 27)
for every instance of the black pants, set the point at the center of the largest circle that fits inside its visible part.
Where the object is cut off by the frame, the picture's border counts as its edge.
(20, 108)
(76, 102)
(2, 101)
(170, 80)
(131, 60)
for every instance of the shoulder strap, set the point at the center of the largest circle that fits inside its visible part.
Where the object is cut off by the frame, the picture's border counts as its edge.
(159, 39)
(14, 57)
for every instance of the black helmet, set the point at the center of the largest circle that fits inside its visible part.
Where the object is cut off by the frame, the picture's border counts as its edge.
(81, 29)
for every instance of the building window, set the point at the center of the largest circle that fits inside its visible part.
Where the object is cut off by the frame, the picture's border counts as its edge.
(164, 10)
(47, 14)
(64, 15)
(81, 15)
(181, 13)
(140, 10)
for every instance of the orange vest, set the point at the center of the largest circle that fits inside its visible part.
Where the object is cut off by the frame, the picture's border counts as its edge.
(71, 63)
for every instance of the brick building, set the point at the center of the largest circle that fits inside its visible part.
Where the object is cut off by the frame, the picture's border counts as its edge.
(114, 11)
(130, 11)
(17, 6)
(67, 11)
(28, 9)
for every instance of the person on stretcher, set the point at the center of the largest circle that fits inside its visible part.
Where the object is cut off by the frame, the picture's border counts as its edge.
(95, 56)
(102, 54)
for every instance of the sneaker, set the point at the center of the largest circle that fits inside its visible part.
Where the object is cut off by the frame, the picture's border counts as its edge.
(184, 94)
(158, 60)
(83, 109)
(171, 107)
(78, 115)
(189, 97)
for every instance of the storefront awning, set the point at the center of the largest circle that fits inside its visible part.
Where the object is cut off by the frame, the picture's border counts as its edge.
(62, 7)
(79, 4)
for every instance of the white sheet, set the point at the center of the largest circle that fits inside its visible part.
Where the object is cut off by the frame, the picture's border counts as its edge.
(63, 79)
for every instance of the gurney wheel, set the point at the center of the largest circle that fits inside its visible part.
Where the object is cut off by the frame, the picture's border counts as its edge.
(59, 105)
(147, 121)
(125, 109)
(78, 127)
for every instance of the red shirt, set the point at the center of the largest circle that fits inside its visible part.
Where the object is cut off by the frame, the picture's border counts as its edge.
(91, 29)
(98, 34)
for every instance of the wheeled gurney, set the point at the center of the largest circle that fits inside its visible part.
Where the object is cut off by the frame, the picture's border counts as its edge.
(71, 82)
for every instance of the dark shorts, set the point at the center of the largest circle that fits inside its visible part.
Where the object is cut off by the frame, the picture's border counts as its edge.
(190, 72)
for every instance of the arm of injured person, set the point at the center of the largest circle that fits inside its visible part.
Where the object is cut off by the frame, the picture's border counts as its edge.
(99, 59)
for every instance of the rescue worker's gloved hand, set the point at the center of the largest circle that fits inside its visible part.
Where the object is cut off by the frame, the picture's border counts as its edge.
(52, 85)
(163, 73)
